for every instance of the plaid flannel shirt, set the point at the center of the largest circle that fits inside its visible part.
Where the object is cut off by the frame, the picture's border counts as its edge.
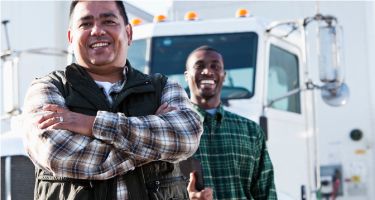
(234, 157)
(119, 143)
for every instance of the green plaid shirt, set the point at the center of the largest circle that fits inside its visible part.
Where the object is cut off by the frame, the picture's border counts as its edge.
(234, 157)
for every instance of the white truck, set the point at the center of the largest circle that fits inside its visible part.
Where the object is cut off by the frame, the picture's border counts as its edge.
(268, 80)
(272, 78)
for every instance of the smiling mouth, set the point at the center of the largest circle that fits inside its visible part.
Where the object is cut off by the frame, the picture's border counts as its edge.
(208, 82)
(99, 45)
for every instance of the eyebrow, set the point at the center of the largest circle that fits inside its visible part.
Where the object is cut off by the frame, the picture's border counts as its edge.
(216, 61)
(103, 15)
(202, 61)
(108, 15)
(199, 62)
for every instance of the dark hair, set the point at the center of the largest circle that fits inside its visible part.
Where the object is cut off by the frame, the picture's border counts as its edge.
(119, 4)
(201, 48)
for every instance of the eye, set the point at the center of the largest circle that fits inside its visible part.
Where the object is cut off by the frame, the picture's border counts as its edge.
(109, 22)
(85, 25)
(198, 66)
(216, 67)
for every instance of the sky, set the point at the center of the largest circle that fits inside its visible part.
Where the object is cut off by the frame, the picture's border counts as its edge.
(153, 6)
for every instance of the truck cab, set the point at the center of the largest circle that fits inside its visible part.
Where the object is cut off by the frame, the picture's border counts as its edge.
(260, 68)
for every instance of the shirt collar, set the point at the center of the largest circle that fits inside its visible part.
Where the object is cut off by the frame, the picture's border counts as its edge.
(219, 116)
(121, 83)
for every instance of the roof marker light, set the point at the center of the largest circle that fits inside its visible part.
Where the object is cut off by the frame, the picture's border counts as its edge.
(160, 18)
(136, 21)
(191, 15)
(242, 12)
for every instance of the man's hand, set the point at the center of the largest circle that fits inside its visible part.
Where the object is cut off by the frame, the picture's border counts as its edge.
(164, 108)
(205, 194)
(57, 117)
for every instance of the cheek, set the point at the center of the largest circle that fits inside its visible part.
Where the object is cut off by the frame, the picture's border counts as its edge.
(222, 77)
(122, 37)
(194, 78)
(80, 40)
(191, 80)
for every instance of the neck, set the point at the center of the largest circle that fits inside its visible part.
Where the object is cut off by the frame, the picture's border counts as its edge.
(111, 76)
(111, 72)
(206, 103)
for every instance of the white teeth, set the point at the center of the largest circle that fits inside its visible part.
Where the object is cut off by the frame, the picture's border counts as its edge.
(100, 44)
(207, 81)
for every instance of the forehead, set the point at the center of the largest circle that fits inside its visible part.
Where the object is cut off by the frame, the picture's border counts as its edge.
(94, 8)
(206, 56)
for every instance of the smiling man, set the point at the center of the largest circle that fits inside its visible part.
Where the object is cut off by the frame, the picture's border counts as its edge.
(232, 149)
(101, 129)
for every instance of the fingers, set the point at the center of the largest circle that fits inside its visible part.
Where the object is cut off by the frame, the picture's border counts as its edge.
(48, 122)
(191, 185)
(50, 115)
(165, 108)
(171, 108)
(53, 108)
(161, 109)
(205, 194)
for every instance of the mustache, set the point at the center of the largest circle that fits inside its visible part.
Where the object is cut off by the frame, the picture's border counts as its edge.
(99, 38)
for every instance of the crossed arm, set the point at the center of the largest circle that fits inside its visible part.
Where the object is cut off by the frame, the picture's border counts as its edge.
(115, 144)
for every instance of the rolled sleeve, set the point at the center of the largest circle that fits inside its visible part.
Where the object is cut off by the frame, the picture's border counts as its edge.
(62, 152)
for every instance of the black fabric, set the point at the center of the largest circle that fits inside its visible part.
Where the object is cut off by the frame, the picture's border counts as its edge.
(49, 187)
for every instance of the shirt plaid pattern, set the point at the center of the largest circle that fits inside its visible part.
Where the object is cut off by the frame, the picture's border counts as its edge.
(234, 157)
(120, 143)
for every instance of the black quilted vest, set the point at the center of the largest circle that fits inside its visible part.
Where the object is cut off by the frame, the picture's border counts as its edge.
(140, 96)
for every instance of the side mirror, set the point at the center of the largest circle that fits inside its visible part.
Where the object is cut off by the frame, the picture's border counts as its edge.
(230, 92)
(334, 92)
(331, 64)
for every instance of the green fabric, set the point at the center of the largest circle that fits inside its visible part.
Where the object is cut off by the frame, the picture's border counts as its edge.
(234, 157)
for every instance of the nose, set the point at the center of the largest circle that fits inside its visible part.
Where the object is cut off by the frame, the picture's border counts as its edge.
(207, 71)
(97, 30)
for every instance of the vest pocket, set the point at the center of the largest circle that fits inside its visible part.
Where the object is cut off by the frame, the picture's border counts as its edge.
(173, 188)
(62, 190)
(51, 188)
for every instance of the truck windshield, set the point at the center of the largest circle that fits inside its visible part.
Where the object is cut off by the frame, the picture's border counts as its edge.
(169, 53)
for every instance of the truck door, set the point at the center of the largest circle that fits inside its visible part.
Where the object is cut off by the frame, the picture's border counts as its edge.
(287, 130)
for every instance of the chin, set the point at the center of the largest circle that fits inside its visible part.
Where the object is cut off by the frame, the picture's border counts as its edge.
(207, 95)
(207, 92)
(99, 62)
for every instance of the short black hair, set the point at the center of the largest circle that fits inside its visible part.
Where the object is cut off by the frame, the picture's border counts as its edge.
(201, 48)
(119, 4)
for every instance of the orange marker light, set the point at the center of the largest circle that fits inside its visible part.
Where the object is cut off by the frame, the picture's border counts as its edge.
(160, 18)
(191, 15)
(242, 12)
(136, 21)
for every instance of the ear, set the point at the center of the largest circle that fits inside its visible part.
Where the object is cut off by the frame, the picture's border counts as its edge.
(129, 33)
(70, 37)
(186, 76)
